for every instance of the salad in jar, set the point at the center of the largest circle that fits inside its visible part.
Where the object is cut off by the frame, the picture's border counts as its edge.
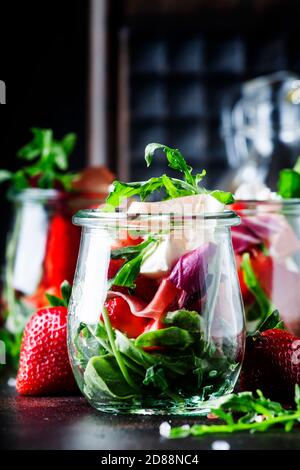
(43, 244)
(267, 249)
(156, 321)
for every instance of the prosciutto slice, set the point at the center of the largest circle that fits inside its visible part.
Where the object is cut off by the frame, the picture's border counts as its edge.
(166, 296)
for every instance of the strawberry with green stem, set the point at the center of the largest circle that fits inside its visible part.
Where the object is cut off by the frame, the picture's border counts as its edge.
(44, 367)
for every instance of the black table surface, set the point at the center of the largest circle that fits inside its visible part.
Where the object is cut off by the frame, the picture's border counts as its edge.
(69, 423)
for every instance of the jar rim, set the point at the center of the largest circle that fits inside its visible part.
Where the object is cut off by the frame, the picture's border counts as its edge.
(285, 206)
(50, 195)
(97, 218)
(270, 202)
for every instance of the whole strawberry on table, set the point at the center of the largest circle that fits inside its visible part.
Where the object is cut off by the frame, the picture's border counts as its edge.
(272, 361)
(44, 367)
(43, 244)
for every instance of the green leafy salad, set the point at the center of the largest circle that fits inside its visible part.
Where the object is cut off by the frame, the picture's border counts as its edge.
(155, 339)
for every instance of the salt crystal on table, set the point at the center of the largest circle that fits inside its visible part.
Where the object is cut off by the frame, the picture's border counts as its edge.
(164, 429)
(220, 445)
(11, 382)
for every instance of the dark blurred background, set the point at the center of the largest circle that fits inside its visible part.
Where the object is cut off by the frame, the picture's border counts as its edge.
(169, 65)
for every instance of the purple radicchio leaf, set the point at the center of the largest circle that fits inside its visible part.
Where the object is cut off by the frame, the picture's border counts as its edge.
(263, 226)
(190, 273)
(243, 238)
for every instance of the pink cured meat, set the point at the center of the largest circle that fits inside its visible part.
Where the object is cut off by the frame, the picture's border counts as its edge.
(276, 229)
(166, 296)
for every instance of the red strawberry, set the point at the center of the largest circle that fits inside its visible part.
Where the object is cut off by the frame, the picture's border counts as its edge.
(114, 266)
(61, 251)
(122, 319)
(272, 364)
(263, 268)
(238, 206)
(44, 367)
(126, 239)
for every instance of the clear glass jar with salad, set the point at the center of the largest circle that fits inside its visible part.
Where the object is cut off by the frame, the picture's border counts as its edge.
(43, 244)
(267, 251)
(156, 321)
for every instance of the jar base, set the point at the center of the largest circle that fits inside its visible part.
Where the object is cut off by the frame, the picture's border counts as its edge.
(192, 406)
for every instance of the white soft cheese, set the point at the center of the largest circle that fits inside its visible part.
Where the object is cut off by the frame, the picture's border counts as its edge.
(187, 205)
(255, 190)
(177, 243)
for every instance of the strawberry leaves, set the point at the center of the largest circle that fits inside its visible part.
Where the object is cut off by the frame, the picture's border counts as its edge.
(272, 321)
(55, 301)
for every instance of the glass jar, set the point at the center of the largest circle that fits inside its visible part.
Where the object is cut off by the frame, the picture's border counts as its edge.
(156, 320)
(267, 250)
(41, 252)
(260, 127)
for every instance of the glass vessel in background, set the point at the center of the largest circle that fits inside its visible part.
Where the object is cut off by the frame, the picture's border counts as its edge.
(42, 250)
(156, 320)
(267, 250)
(261, 128)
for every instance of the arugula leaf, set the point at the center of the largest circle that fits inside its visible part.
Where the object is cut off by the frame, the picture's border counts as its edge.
(289, 182)
(128, 252)
(175, 159)
(223, 196)
(172, 187)
(173, 337)
(128, 273)
(243, 412)
(47, 160)
(120, 192)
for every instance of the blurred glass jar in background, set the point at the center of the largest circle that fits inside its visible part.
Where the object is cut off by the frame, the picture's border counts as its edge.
(267, 250)
(261, 128)
(43, 243)
(41, 251)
